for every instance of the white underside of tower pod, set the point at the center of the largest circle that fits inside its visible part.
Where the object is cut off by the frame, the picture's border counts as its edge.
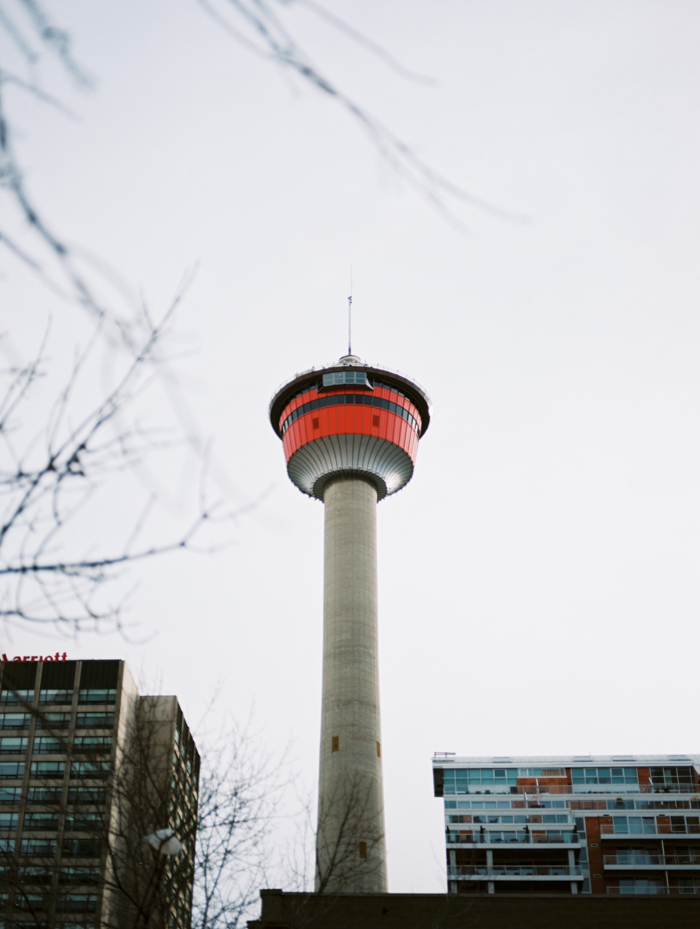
(387, 465)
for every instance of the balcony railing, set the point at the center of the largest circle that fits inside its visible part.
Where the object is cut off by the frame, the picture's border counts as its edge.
(662, 829)
(581, 788)
(632, 860)
(653, 890)
(506, 837)
(514, 870)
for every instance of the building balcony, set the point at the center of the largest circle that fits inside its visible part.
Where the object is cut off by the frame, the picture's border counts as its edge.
(665, 831)
(510, 871)
(681, 891)
(513, 837)
(624, 861)
(612, 788)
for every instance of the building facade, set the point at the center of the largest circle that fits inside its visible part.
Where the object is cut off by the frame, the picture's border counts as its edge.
(89, 770)
(612, 825)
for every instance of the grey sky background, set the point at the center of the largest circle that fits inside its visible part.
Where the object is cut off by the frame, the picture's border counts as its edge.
(538, 578)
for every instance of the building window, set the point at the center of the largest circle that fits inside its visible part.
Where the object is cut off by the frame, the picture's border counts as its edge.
(10, 795)
(38, 848)
(11, 769)
(84, 822)
(634, 825)
(8, 821)
(81, 848)
(17, 697)
(92, 743)
(672, 778)
(480, 780)
(13, 746)
(53, 721)
(76, 874)
(362, 849)
(89, 769)
(635, 885)
(40, 822)
(31, 902)
(617, 776)
(94, 721)
(44, 794)
(15, 720)
(55, 696)
(87, 796)
(47, 769)
(335, 743)
(635, 856)
(35, 874)
(685, 824)
(97, 695)
(76, 903)
(47, 745)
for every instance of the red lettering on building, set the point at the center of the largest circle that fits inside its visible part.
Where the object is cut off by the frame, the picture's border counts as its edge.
(57, 657)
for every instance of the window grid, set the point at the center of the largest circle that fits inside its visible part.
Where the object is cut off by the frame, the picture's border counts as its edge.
(604, 776)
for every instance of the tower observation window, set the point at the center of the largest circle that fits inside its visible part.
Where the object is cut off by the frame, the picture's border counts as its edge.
(358, 378)
(346, 399)
(372, 386)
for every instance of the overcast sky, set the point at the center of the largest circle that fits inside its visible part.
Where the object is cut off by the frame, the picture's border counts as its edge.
(538, 578)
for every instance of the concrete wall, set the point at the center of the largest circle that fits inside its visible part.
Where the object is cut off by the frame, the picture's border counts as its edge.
(351, 814)
(466, 911)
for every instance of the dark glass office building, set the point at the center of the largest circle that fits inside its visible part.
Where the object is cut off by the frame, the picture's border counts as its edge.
(90, 772)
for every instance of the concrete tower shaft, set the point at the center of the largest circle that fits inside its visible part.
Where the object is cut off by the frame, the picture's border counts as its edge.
(350, 434)
(350, 845)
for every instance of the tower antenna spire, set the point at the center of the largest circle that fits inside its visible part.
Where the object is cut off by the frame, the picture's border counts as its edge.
(350, 316)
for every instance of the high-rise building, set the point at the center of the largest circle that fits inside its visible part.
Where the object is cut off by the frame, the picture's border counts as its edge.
(98, 799)
(350, 433)
(621, 824)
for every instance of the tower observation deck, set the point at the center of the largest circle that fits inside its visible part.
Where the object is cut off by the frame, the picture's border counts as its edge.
(350, 433)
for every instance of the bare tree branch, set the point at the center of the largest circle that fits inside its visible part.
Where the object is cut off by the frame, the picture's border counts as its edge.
(260, 27)
(272, 39)
(50, 476)
(336, 849)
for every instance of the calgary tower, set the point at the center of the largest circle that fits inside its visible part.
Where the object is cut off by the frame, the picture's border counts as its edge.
(350, 433)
